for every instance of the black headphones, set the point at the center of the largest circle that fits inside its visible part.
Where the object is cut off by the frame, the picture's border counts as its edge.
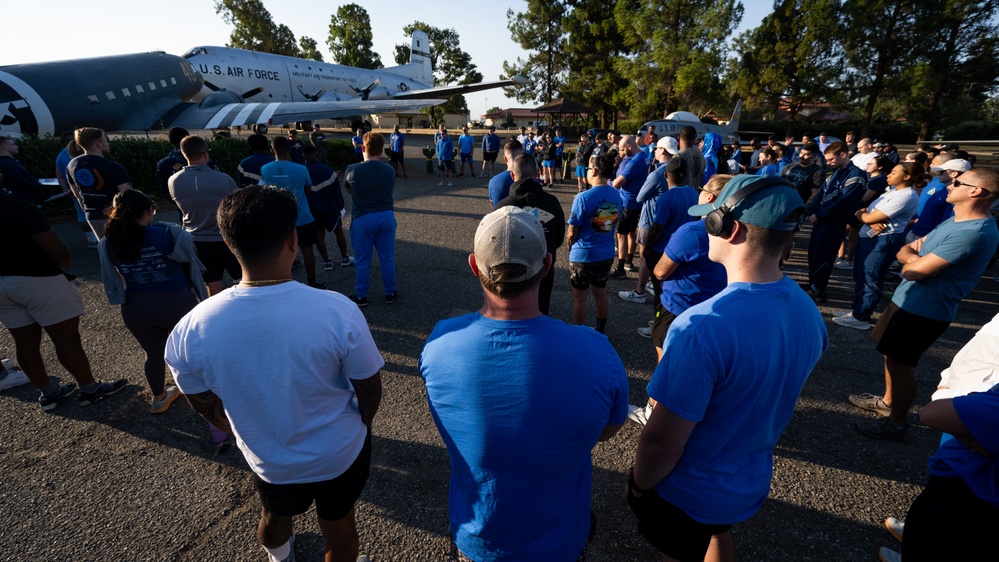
(719, 221)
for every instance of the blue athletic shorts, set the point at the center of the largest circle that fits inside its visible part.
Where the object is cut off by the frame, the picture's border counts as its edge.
(466, 158)
(548, 163)
(580, 171)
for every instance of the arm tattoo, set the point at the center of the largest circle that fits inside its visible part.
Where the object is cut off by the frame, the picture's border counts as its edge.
(209, 406)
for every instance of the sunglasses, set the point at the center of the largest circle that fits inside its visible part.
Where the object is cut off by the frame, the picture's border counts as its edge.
(959, 183)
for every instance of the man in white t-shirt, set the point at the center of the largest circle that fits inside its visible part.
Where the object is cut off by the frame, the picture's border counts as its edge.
(278, 365)
(865, 153)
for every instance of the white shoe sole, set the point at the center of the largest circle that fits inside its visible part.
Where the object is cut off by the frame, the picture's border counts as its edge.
(850, 322)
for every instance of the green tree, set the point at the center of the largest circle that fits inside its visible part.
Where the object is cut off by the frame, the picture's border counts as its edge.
(540, 32)
(254, 29)
(878, 40)
(450, 65)
(960, 63)
(494, 109)
(309, 49)
(591, 48)
(350, 38)
(788, 57)
(675, 48)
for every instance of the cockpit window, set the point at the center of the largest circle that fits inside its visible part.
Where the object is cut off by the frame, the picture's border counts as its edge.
(195, 52)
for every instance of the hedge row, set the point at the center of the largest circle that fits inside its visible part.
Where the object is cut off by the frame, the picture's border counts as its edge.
(139, 156)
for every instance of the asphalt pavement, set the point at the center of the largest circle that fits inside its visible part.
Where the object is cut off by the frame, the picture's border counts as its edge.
(112, 482)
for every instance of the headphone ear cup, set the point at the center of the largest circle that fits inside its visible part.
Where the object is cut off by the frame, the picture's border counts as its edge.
(718, 222)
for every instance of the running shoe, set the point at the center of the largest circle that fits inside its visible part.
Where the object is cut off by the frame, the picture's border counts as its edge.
(50, 402)
(106, 388)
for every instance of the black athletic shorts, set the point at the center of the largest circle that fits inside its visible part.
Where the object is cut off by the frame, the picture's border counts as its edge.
(904, 336)
(664, 319)
(216, 257)
(670, 530)
(628, 222)
(326, 220)
(307, 234)
(582, 275)
(489, 156)
(334, 498)
(395, 157)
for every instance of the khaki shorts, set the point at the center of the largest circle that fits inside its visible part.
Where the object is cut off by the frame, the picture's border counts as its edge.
(38, 300)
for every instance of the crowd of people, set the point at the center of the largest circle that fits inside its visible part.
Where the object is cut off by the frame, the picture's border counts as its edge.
(735, 338)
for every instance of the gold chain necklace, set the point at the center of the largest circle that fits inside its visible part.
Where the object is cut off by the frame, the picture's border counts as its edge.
(260, 282)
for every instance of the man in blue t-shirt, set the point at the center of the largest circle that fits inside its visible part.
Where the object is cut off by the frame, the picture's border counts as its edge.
(490, 150)
(590, 237)
(728, 382)
(287, 175)
(466, 146)
(397, 144)
(358, 143)
(654, 186)
(445, 158)
(938, 271)
(670, 210)
(521, 469)
(933, 206)
(559, 141)
(631, 174)
(499, 185)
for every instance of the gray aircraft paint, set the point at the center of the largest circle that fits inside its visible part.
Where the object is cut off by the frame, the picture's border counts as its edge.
(157, 90)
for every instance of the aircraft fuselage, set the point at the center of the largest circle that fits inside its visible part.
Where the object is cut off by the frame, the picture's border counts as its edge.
(265, 77)
(114, 93)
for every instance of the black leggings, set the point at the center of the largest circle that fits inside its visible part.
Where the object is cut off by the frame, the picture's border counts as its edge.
(151, 317)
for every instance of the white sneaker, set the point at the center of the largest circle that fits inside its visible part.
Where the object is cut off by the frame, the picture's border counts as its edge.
(842, 263)
(638, 414)
(441, 184)
(632, 296)
(842, 313)
(851, 322)
(645, 333)
(649, 288)
(888, 555)
(449, 184)
(8, 363)
(13, 378)
(895, 527)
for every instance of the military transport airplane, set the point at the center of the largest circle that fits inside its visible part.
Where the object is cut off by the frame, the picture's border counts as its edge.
(671, 125)
(210, 88)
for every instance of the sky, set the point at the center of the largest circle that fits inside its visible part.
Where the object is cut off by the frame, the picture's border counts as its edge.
(45, 30)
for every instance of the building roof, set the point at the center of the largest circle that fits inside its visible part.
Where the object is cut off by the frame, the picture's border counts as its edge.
(563, 105)
(517, 112)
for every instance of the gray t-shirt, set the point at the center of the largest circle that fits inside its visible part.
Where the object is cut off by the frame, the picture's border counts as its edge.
(370, 184)
(695, 166)
(198, 190)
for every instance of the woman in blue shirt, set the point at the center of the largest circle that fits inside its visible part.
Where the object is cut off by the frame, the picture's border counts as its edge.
(146, 268)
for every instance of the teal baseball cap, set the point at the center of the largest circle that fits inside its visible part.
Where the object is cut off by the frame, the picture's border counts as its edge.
(770, 202)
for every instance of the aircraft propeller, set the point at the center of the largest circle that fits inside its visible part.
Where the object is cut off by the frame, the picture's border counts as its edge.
(246, 95)
(366, 91)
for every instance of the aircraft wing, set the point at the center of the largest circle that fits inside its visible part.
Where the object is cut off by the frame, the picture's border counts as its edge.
(195, 116)
(448, 91)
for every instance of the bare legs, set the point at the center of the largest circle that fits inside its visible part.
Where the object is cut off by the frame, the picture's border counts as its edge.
(65, 337)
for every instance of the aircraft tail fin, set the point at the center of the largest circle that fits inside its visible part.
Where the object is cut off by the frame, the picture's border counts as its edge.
(419, 67)
(736, 113)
